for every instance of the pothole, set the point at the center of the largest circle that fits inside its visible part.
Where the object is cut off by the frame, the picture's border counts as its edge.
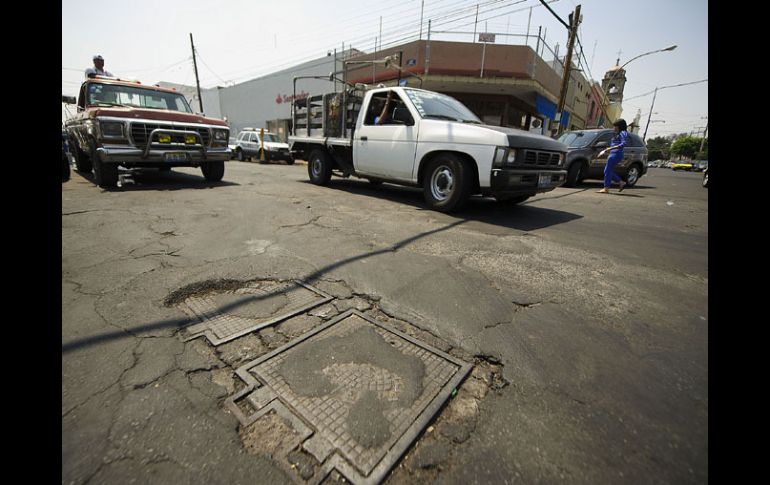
(228, 309)
(335, 395)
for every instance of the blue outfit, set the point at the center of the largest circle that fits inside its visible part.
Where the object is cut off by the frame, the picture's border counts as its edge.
(621, 140)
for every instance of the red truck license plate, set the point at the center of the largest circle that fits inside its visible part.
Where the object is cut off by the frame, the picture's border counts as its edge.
(175, 157)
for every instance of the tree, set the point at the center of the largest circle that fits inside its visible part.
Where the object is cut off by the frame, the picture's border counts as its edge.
(687, 146)
(658, 148)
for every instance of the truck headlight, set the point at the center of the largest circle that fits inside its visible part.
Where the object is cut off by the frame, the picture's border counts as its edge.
(562, 157)
(500, 154)
(511, 159)
(111, 129)
(220, 135)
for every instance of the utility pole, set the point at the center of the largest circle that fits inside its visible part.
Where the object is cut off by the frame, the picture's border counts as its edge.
(650, 115)
(422, 7)
(475, 22)
(574, 22)
(704, 136)
(195, 65)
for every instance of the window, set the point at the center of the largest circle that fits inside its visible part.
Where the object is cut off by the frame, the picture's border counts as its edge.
(120, 95)
(635, 140)
(440, 106)
(376, 105)
(607, 136)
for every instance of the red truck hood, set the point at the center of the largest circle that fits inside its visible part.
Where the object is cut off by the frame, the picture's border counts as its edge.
(155, 114)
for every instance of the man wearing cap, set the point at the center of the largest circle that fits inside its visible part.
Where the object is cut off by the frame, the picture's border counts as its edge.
(98, 68)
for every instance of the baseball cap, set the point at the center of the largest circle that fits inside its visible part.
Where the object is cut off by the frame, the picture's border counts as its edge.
(99, 57)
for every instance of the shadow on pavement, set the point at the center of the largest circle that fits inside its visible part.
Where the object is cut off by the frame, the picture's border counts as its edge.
(522, 217)
(599, 184)
(152, 179)
(181, 322)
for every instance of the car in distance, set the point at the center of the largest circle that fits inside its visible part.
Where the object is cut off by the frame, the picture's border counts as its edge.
(682, 165)
(248, 145)
(583, 161)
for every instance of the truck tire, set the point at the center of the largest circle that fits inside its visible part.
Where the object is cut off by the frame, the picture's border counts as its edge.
(65, 167)
(319, 167)
(447, 183)
(105, 174)
(633, 175)
(290, 161)
(82, 163)
(573, 173)
(213, 171)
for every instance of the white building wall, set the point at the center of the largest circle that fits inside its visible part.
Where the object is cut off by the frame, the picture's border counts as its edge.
(254, 102)
(211, 101)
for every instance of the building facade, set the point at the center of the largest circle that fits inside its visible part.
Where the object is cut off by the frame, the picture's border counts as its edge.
(504, 85)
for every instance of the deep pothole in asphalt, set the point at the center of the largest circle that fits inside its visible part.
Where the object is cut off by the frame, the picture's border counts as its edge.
(332, 388)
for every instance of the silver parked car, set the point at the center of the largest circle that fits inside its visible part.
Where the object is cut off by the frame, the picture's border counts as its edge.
(248, 144)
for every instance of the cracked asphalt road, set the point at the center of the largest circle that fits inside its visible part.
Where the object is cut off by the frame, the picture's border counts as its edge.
(596, 305)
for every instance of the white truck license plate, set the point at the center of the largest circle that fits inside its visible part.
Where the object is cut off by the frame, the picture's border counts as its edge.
(544, 180)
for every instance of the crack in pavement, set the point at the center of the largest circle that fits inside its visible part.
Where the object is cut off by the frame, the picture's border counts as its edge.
(311, 221)
(81, 212)
(85, 401)
(78, 289)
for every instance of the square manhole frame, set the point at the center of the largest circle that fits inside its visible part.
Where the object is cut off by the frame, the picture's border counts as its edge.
(215, 341)
(335, 461)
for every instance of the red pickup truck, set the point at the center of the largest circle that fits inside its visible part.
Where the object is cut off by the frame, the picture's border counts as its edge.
(125, 123)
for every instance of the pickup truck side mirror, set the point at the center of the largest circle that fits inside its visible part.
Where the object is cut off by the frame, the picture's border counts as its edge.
(401, 116)
(68, 99)
(602, 144)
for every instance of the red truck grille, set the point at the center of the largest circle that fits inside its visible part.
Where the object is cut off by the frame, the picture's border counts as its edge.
(140, 132)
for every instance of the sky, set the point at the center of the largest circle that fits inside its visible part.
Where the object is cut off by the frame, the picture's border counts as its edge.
(238, 40)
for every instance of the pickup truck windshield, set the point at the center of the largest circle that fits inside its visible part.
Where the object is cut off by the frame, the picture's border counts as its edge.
(440, 106)
(118, 95)
(577, 139)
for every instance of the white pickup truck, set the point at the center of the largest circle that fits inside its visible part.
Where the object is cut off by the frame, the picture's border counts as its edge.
(425, 139)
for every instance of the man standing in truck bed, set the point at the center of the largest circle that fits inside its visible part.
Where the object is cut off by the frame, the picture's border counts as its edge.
(98, 68)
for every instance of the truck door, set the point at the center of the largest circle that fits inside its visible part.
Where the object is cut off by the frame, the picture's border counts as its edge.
(386, 144)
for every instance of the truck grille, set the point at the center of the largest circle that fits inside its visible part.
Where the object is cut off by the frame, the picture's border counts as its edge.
(540, 159)
(140, 132)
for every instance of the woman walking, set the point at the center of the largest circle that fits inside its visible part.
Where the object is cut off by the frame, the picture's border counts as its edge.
(616, 155)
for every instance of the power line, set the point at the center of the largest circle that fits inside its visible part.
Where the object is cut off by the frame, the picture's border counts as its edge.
(666, 87)
(365, 38)
(408, 28)
(554, 14)
(207, 66)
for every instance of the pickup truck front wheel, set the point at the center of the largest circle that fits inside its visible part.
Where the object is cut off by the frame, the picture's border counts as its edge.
(213, 171)
(105, 174)
(447, 183)
(82, 163)
(319, 167)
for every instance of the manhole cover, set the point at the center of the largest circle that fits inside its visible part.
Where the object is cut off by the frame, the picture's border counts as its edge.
(227, 315)
(366, 390)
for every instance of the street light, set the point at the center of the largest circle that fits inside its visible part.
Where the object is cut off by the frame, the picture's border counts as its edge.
(665, 49)
(669, 48)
